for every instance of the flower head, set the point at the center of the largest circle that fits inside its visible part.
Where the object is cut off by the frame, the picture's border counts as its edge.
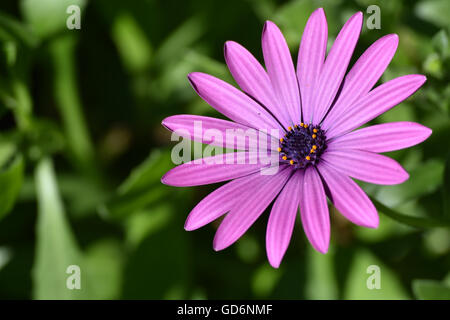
(316, 106)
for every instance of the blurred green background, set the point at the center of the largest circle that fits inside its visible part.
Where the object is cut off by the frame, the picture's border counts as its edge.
(82, 151)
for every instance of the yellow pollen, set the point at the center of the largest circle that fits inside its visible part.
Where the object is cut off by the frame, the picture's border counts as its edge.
(302, 124)
(314, 147)
(308, 158)
(284, 158)
(296, 126)
(312, 151)
(281, 139)
(289, 128)
(279, 149)
(291, 162)
(314, 136)
(315, 130)
(306, 126)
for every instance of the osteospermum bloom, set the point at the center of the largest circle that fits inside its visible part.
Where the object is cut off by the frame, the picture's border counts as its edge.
(317, 107)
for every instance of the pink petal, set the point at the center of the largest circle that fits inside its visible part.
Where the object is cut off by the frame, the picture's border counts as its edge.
(363, 75)
(376, 102)
(244, 213)
(366, 166)
(382, 137)
(311, 56)
(212, 169)
(314, 211)
(335, 66)
(281, 70)
(282, 219)
(349, 198)
(231, 102)
(253, 79)
(185, 126)
(219, 202)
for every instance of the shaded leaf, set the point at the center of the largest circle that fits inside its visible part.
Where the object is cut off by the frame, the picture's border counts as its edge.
(430, 290)
(141, 188)
(56, 248)
(357, 287)
(418, 222)
(321, 282)
(446, 188)
(104, 262)
(11, 177)
(47, 17)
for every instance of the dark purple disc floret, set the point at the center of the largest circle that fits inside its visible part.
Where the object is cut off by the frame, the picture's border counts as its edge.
(302, 145)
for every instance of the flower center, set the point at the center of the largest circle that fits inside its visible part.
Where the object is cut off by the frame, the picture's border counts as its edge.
(302, 145)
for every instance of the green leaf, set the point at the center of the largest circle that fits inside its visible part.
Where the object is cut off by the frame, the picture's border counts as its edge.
(434, 11)
(132, 43)
(179, 40)
(360, 276)
(12, 29)
(440, 42)
(446, 188)
(141, 188)
(265, 280)
(418, 222)
(424, 179)
(159, 268)
(47, 17)
(147, 221)
(104, 263)
(11, 177)
(321, 283)
(56, 248)
(147, 173)
(430, 290)
(5, 256)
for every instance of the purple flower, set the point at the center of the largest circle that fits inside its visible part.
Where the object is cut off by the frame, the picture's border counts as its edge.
(316, 107)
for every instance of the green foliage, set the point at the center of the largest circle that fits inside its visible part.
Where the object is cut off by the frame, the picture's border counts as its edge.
(357, 287)
(11, 176)
(431, 290)
(82, 153)
(56, 246)
(47, 17)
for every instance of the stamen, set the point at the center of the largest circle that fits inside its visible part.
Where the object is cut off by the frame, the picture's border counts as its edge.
(302, 145)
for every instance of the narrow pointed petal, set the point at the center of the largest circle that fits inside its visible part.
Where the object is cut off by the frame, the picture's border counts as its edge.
(363, 75)
(213, 169)
(282, 219)
(203, 129)
(335, 66)
(314, 211)
(382, 137)
(366, 166)
(218, 202)
(231, 102)
(311, 56)
(246, 212)
(376, 102)
(253, 79)
(281, 70)
(351, 201)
